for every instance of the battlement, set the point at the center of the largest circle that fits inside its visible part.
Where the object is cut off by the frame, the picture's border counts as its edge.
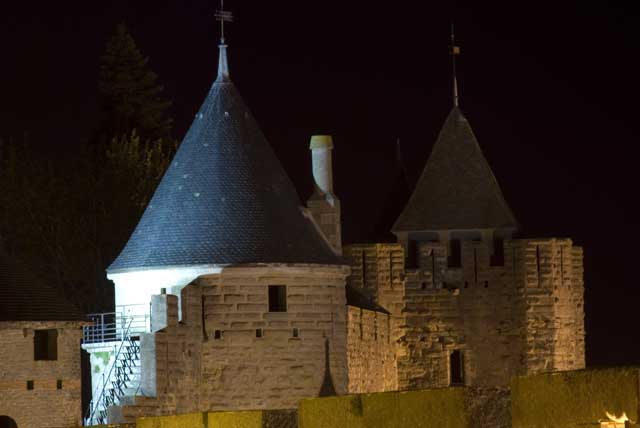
(481, 319)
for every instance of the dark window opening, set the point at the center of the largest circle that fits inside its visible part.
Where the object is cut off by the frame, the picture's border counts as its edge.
(364, 270)
(497, 258)
(486, 284)
(412, 255)
(7, 422)
(423, 286)
(296, 333)
(203, 319)
(217, 334)
(475, 266)
(59, 384)
(466, 284)
(45, 344)
(277, 298)
(455, 253)
(258, 332)
(29, 385)
(538, 264)
(456, 367)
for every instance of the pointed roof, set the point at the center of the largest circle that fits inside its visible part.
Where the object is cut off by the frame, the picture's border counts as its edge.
(457, 189)
(225, 198)
(23, 297)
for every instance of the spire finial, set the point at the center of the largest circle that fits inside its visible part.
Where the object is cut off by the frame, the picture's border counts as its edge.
(455, 51)
(223, 65)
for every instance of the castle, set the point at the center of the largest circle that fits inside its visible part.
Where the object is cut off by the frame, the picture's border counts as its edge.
(230, 295)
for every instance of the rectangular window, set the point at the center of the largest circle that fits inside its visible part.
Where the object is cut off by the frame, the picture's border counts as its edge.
(45, 344)
(497, 258)
(29, 385)
(455, 253)
(456, 367)
(412, 255)
(277, 298)
(59, 384)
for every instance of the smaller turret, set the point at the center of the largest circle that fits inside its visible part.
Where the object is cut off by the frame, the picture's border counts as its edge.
(323, 203)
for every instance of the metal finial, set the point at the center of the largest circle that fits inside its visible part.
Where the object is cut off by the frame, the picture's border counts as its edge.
(455, 51)
(223, 16)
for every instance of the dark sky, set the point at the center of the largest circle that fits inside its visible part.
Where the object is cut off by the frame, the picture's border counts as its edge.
(550, 89)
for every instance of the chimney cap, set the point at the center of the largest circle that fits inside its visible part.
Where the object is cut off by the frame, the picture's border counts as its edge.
(321, 142)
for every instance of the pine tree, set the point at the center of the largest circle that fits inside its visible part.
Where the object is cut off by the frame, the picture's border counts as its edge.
(131, 94)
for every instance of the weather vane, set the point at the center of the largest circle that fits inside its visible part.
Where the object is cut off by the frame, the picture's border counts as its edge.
(223, 16)
(455, 51)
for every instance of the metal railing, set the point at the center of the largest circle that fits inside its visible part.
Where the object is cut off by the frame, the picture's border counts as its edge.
(110, 326)
(119, 378)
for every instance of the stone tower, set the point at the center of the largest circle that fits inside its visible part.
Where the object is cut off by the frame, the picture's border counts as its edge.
(468, 303)
(255, 296)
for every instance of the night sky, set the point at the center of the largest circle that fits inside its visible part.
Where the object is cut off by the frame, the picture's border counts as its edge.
(550, 90)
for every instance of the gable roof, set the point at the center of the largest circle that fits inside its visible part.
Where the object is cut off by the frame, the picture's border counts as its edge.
(225, 198)
(457, 189)
(23, 297)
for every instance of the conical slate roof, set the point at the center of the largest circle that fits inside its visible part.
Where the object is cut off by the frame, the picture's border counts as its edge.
(225, 198)
(23, 297)
(457, 189)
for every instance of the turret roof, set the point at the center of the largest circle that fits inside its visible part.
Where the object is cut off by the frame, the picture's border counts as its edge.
(225, 198)
(457, 189)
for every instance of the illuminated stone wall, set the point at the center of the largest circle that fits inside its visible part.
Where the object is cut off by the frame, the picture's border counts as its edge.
(370, 352)
(45, 405)
(522, 316)
(223, 365)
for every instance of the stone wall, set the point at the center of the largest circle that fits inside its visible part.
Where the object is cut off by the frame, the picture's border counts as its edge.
(370, 352)
(522, 314)
(45, 406)
(214, 358)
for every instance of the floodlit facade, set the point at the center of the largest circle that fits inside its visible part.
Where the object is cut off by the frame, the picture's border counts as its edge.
(231, 295)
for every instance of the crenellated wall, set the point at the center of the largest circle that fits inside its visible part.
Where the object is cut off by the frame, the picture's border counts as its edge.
(519, 314)
(230, 352)
(370, 352)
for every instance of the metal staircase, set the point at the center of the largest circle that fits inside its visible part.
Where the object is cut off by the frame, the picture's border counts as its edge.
(122, 381)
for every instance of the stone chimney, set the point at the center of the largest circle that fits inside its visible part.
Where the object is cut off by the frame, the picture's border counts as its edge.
(323, 204)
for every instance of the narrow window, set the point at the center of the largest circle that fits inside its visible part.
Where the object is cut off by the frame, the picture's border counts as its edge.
(456, 367)
(217, 334)
(296, 333)
(203, 320)
(258, 333)
(412, 255)
(29, 385)
(497, 258)
(277, 298)
(475, 265)
(455, 254)
(364, 270)
(391, 269)
(45, 344)
(538, 264)
(59, 384)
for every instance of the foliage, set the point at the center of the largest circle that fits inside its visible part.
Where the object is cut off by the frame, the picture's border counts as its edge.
(70, 218)
(130, 92)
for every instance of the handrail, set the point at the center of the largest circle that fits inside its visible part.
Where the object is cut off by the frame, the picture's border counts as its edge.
(110, 371)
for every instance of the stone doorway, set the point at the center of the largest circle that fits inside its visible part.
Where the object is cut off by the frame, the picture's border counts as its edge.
(7, 422)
